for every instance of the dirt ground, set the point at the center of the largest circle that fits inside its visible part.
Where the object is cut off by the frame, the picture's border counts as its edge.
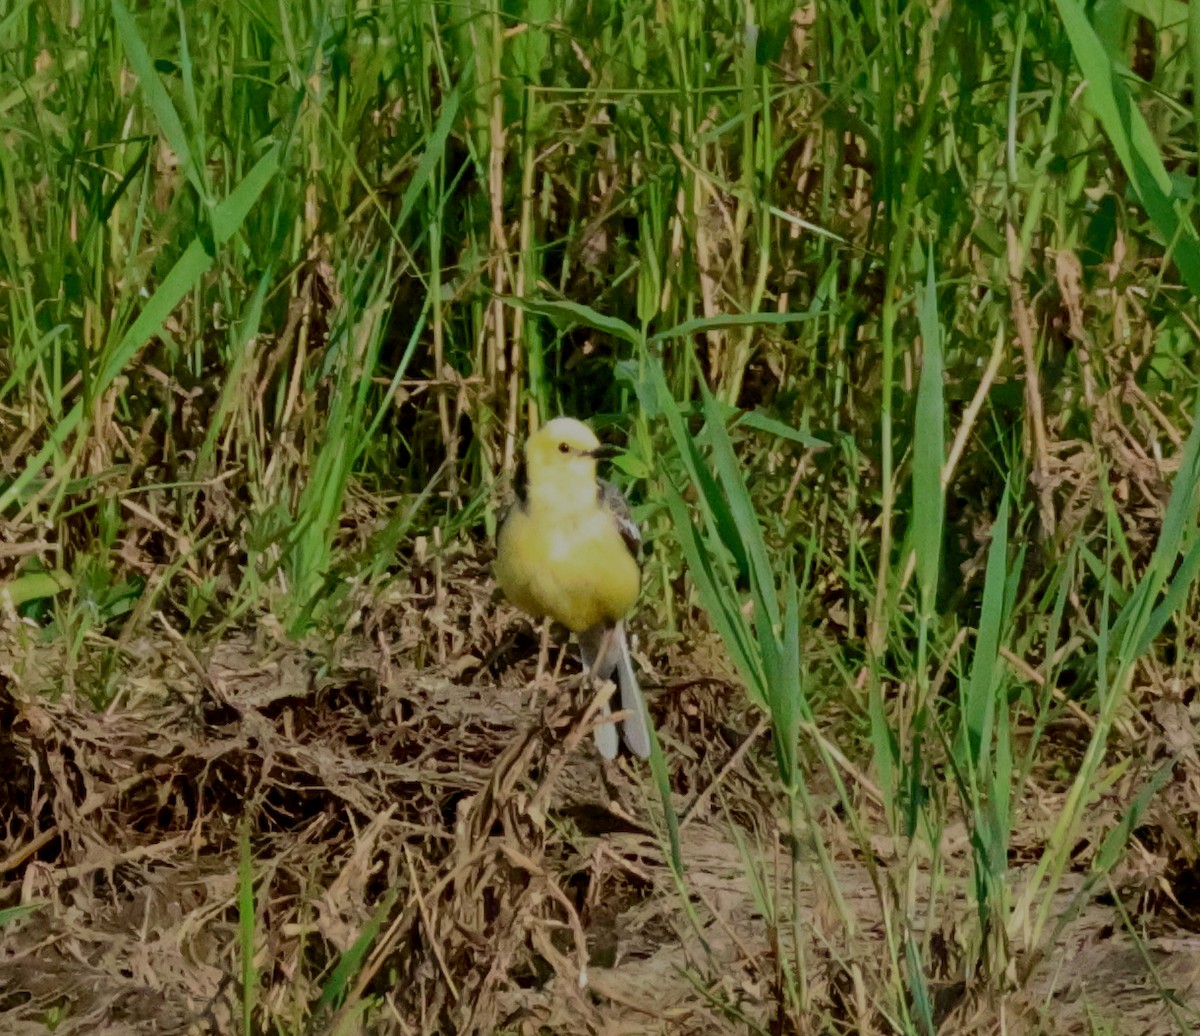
(411, 781)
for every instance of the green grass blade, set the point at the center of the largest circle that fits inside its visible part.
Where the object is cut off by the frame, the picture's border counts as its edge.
(719, 598)
(33, 587)
(229, 216)
(180, 279)
(245, 900)
(731, 473)
(929, 450)
(351, 960)
(981, 696)
(1132, 140)
(156, 95)
(10, 915)
(566, 313)
(761, 422)
(435, 151)
(728, 320)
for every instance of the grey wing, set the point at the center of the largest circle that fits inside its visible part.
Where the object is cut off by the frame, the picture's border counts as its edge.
(519, 485)
(612, 501)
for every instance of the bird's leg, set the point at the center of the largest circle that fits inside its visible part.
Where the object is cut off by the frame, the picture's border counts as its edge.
(543, 662)
(543, 652)
(601, 653)
(558, 661)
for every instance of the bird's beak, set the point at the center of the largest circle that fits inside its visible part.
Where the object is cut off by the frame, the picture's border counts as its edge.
(605, 452)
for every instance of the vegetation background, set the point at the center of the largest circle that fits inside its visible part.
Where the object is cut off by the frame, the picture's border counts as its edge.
(894, 305)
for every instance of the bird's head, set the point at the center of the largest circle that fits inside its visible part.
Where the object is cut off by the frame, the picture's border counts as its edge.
(564, 450)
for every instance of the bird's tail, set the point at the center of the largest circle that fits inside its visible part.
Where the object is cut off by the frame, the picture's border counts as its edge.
(617, 660)
(637, 726)
(591, 643)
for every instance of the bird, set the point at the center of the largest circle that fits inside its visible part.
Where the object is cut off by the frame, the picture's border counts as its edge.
(569, 549)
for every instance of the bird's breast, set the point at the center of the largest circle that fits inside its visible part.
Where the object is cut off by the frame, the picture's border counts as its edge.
(573, 567)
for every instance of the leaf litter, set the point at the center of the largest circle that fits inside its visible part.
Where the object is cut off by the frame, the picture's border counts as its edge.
(506, 879)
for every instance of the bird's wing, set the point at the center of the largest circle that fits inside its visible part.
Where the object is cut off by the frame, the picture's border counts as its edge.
(617, 660)
(520, 478)
(520, 487)
(610, 498)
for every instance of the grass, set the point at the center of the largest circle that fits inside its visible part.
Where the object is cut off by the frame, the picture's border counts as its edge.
(892, 304)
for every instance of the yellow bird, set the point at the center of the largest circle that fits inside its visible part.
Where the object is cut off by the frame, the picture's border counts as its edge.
(569, 549)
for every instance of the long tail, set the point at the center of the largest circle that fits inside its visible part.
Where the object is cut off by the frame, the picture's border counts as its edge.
(591, 643)
(617, 661)
(637, 726)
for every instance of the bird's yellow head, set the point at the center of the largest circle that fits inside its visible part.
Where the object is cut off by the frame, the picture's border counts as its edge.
(562, 454)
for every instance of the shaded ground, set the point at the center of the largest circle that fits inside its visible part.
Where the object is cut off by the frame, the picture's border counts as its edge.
(517, 883)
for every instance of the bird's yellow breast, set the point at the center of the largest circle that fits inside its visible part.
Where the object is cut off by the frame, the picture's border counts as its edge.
(575, 569)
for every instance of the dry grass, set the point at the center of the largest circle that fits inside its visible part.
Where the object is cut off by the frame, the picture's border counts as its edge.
(358, 775)
(531, 892)
(257, 403)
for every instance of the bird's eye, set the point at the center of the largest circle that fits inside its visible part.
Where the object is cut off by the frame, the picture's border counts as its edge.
(563, 448)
